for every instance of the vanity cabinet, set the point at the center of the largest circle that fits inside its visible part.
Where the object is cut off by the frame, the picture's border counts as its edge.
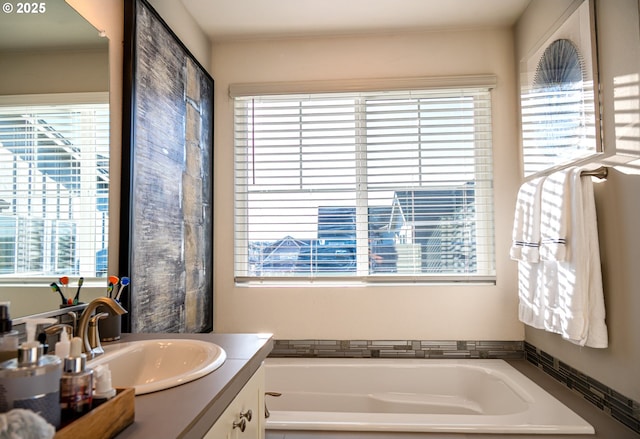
(244, 417)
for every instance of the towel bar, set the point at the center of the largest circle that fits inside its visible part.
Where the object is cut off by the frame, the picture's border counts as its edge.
(600, 172)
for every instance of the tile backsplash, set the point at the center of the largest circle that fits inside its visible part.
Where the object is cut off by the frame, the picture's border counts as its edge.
(398, 349)
(620, 407)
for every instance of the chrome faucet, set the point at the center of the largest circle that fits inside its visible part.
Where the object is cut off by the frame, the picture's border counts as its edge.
(113, 308)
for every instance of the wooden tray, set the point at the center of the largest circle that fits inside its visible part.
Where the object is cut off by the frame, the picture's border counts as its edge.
(104, 421)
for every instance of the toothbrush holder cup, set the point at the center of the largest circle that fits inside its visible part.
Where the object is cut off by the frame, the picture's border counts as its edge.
(110, 327)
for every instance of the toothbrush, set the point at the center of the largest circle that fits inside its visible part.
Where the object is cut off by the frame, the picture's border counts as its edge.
(76, 298)
(123, 283)
(113, 281)
(64, 280)
(55, 288)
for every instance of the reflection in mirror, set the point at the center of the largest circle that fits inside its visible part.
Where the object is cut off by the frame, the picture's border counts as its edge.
(559, 99)
(54, 154)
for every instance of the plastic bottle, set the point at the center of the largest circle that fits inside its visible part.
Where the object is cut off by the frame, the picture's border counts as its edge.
(8, 335)
(32, 381)
(104, 391)
(76, 384)
(63, 346)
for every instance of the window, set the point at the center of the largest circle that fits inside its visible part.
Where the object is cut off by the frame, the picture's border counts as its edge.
(367, 187)
(558, 119)
(559, 97)
(54, 189)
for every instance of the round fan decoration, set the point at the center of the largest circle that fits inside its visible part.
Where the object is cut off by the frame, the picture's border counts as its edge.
(560, 64)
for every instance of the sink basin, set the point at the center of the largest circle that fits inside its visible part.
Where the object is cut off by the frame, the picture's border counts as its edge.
(152, 365)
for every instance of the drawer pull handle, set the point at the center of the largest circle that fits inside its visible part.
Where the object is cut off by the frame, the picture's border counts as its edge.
(242, 425)
(246, 415)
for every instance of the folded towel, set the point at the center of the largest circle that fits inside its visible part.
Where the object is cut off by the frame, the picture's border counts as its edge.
(24, 424)
(555, 206)
(526, 224)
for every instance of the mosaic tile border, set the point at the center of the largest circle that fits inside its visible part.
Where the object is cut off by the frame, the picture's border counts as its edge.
(618, 406)
(397, 349)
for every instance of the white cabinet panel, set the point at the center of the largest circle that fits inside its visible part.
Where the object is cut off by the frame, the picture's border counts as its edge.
(244, 417)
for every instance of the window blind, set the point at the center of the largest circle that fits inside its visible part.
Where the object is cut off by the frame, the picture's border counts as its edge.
(54, 189)
(558, 126)
(369, 187)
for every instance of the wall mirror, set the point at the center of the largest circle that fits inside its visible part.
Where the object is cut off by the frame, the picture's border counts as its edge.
(54, 158)
(559, 99)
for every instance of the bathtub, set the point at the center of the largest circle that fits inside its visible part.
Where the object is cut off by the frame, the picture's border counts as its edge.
(412, 395)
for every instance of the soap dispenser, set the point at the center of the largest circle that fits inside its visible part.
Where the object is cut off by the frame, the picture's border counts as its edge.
(76, 384)
(8, 335)
(32, 381)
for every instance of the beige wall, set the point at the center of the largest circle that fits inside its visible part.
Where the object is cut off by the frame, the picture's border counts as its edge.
(398, 312)
(54, 72)
(185, 28)
(617, 201)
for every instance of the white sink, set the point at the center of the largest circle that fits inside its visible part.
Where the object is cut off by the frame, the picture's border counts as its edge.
(152, 365)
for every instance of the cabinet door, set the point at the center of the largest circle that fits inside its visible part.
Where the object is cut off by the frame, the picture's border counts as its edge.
(246, 412)
(221, 429)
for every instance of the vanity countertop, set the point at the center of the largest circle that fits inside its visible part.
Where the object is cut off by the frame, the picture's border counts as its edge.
(189, 410)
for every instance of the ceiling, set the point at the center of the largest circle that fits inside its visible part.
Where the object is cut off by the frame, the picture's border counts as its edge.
(59, 27)
(245, 19)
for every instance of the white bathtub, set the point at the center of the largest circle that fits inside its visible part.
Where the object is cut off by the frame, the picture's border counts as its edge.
(407, 395)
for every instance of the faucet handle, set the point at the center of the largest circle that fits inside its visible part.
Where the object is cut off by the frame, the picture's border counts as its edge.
(94, 336)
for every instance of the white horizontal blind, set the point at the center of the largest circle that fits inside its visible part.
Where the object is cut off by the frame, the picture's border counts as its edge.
(367, 187)
(54, 189)
(558, 126)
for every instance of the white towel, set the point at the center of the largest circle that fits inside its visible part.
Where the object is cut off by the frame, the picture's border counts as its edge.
(565, 296)
(555, 206)
(572, 287)
(530, 300)
(25, 424)
(525, 249)
(584, 321)
(526, 223)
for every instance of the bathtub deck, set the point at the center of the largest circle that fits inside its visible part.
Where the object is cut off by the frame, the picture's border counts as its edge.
(605, 426)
